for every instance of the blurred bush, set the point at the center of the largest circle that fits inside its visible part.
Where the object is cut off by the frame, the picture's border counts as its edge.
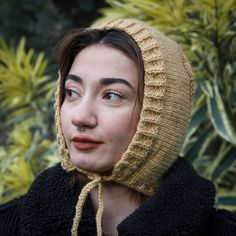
(26, 95)
(27, 83)
(206, 30)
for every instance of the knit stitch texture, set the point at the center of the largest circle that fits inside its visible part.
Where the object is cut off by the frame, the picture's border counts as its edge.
(165, 115)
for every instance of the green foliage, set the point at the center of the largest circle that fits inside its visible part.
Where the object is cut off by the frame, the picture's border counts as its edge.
(22, 80)
(27, 140)
(16, 179)
(26, 95)
(42, 22)
(206, 30)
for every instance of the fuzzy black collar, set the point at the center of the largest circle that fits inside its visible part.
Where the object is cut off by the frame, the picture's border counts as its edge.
(182, 206)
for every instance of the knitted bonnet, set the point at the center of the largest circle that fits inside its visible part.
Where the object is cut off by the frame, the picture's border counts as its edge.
(164, 118)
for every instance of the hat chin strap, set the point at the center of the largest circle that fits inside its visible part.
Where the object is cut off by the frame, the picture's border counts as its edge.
(81, 200)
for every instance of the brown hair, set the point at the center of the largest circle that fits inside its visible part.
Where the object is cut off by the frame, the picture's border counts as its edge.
(78, 39)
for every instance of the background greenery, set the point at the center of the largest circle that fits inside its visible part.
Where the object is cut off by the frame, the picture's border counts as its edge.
(206, 30)
(29, 31)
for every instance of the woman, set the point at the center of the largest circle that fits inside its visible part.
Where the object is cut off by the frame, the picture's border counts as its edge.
(123, 104)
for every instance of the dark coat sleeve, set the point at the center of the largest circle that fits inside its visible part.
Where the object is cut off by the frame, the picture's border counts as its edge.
(10, 217)
(223, 223)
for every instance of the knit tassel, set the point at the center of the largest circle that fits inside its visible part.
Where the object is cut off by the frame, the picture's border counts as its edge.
(81, 200)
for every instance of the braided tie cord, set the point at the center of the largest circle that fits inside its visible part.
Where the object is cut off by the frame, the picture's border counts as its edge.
(100, 209)
(81, 200)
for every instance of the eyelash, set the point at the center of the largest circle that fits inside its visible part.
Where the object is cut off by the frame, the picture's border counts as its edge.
(113, 92)
(68, 92)
(72, 94)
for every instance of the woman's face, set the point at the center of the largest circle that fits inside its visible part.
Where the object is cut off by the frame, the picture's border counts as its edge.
(101, 92)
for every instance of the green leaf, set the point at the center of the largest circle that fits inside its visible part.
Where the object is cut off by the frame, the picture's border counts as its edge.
(227, 201)
(225, 160)
(219, 115)
(197, 118)
(17, 179)
(197, 144)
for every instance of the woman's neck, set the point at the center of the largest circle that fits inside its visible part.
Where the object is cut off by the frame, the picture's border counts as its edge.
(119, 202)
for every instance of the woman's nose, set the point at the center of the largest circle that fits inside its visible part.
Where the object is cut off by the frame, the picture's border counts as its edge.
(84, 114)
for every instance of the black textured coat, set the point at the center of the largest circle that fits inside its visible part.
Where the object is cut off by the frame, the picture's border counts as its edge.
(183, 205)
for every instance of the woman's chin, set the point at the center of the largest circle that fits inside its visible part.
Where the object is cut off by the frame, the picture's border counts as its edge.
(91, 167)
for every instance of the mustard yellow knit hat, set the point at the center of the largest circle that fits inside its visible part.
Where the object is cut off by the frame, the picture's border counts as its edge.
(164, 118)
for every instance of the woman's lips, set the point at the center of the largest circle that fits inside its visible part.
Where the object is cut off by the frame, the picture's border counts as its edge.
(85, 143)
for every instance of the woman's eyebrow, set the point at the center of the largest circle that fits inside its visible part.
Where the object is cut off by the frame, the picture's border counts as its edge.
(108, 81)
(75, 78)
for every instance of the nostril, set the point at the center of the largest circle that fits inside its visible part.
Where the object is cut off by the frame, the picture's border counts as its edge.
(81, 128)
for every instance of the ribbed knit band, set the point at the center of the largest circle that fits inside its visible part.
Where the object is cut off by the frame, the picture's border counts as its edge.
(165, 115)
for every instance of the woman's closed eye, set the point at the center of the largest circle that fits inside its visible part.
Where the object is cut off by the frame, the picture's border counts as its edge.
(113, 96)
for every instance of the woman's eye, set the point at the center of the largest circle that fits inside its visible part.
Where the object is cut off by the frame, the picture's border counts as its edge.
(71, 94)
(112, 96)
